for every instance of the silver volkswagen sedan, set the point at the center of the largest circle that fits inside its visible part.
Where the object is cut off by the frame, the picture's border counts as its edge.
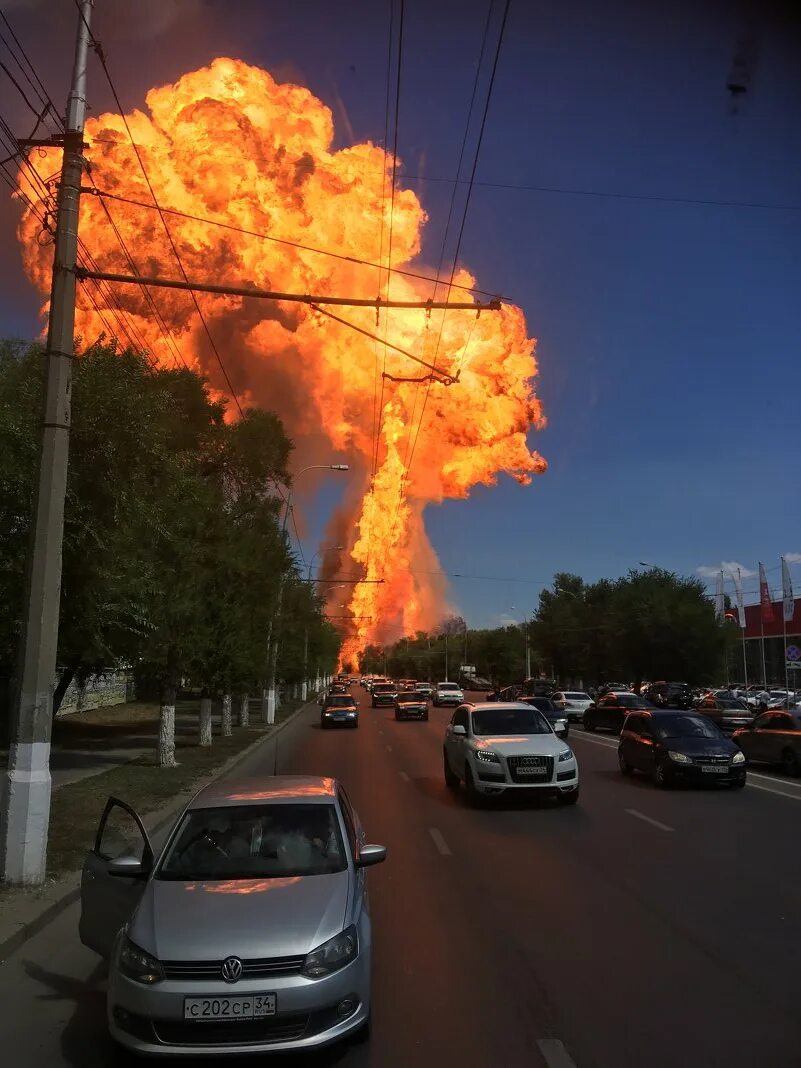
(249, 932)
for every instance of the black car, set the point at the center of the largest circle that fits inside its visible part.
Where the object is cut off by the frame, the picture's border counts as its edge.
(339, 708)
(611, 710)
(384, 693)
(773, 738)
(411, 706)
(670, 695)
(555, 716)
(678, 746)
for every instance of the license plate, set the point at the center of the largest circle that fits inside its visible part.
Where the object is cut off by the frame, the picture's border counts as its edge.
(532, 771)
(243, 1007)
(716, 769)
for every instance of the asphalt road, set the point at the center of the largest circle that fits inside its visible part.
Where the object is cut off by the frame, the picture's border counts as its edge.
(638, 929)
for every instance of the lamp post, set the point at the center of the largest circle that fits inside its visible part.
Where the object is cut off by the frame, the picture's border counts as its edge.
(268, 702)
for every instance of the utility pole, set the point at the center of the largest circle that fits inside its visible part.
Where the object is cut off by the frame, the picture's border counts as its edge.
(26, 800)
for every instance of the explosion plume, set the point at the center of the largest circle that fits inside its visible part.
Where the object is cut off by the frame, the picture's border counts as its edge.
(230, 143)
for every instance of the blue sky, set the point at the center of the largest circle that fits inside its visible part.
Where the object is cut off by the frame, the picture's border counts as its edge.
(668, 332)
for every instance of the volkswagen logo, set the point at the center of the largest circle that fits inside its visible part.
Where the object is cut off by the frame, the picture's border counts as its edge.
(232, 969)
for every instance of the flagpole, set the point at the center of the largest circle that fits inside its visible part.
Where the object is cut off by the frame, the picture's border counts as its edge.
(741, 610)
(787, 593)
(762, 642)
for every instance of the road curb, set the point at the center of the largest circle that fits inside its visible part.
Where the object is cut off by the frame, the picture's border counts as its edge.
(153, 821)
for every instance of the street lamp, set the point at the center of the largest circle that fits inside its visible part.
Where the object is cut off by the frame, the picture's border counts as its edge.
(322, 549)
(269, 700)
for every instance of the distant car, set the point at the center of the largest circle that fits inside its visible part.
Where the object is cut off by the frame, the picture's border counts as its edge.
(508, 693)
(383, 693)
(610, 711)
(555, 716)
(447, 693)
(477, 684)
(405, 685)
(669, 694)
(773, 738)
(377, 680)
(424, 688)
(248, 933)
(728, 713)
(679, 746)
(411, 706)
(614, 687)
(338, 687)
(576, 702)
(503, 748)
(339, 708)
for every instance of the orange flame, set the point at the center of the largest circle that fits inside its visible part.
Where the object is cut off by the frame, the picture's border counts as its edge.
(230, 143)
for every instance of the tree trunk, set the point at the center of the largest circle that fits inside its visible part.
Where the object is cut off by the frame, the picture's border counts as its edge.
(205, 719)
(225, 717)
(63, 684)
(244, 711)
(167, 728)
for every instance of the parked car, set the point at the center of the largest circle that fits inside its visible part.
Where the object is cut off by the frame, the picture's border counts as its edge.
(383, 693)
(339, 708)
(576, 702)
(411, 706)
(669, 694)
(773, 738)
(271, 948)
(610, 711)
(555, 716)
(447, 693)
(679, 746)
(502, 748)
(728, 713)
(424, 688)
(614, 687)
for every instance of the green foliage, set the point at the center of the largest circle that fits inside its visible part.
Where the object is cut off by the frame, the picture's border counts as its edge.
(173, 552)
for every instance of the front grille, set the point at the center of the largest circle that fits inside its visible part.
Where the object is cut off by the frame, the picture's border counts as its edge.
(231, 1032)
(257, 968)
(711, 760)
(516, 763)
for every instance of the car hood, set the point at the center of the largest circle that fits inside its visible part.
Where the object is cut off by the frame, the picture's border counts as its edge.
(210, 920)
(522, 744)
(701, 746)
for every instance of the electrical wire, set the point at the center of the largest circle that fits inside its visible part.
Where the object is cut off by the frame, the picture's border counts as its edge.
(35, 81)
(101, 57)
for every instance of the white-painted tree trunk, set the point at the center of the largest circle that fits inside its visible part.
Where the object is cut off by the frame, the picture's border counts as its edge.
(304, 690)
(225, 716)
(205, 721)
(271, 705)
(244, 711)
(167, 735)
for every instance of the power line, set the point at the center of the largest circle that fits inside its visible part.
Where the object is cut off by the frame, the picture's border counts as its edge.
(35, 81)
(101, 56)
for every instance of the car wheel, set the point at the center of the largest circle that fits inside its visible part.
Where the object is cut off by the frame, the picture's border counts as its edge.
(661, 776)
(625, 767)
(790, 765)
(569, 799)
(451, 780)
(589, 727)
(473, 796)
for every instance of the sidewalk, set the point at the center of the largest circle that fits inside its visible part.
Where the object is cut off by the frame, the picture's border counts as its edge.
(157, 793)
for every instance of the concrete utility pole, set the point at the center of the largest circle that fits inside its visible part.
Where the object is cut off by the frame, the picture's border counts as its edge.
(26, 795)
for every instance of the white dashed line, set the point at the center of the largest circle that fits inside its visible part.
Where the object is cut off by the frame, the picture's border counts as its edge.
(554, 1053)
(607, 744)
(405, 777)
(772, 789)
(654, 823)
(439, 842)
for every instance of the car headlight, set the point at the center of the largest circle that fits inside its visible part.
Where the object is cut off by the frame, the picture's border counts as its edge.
(566, 754)
(487, 757)
(680, 758)
(738, 758)
(331, 955)
(138, 965)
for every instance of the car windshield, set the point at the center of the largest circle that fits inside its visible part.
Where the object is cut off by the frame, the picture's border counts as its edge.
(255, 842)
(488, 721)
(686, 727)
(633, 702)
(384, 688)
(340, 701)
(447, 686)
(732, 702)
(577, 697)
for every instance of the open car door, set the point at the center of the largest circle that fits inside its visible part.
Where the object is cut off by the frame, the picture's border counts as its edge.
(109, 897)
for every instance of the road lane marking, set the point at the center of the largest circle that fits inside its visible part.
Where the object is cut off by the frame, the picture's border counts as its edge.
(554, 1053)
(439, 842)
(405, 777)
(607, 744)
(771, 790)
(654, 823)
(774, 779)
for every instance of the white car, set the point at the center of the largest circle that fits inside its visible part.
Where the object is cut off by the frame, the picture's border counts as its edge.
(573, 703)
(447, 693)
(500, 748)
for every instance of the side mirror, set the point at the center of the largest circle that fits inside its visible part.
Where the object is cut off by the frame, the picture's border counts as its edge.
(128, 867)
(458, 731)
(371, 854)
